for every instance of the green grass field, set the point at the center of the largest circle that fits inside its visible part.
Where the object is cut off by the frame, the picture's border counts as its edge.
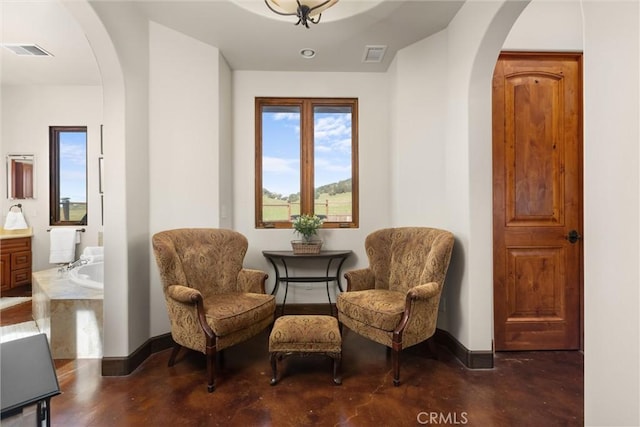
(76, 211)
(280, 210)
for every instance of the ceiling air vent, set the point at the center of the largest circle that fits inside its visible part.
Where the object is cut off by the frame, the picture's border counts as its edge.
(26, 49)
(374, 53)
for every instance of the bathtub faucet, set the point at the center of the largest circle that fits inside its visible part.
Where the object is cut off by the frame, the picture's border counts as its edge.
(77, 263)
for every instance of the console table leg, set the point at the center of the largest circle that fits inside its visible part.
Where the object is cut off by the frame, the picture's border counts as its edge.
(286, 285)
(277, 283)
(284, 301)
(328, 294)
(329, 297)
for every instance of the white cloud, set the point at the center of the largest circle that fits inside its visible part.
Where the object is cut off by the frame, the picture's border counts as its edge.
(336, 125)
(333, 134)
(73, 154)
(287, 116)
(329, 166)
(280, 165)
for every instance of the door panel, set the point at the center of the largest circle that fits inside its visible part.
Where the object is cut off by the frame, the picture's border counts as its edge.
(535, 192)
(537, 173)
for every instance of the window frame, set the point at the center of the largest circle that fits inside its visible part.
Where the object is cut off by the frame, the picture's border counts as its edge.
(307, 190)
(54, 174)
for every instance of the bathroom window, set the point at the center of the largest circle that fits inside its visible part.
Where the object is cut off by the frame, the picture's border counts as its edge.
(68, 172)
(306, 161)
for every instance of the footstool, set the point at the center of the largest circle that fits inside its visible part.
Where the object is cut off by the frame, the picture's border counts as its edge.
(305, 335)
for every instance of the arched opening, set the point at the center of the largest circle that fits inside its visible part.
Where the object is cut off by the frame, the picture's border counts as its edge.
(115, 322)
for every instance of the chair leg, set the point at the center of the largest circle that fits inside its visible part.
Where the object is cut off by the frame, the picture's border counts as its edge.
(395, 362)
(337, 363)
(174, 354)
(211, 364)
(274, 368)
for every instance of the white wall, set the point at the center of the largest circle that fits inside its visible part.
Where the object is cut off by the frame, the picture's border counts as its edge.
(27, 113)
(187, 159)
(372, 91)
(120, 40)
(611, 213)
(417, 145)
(225, 143)
(547, 25)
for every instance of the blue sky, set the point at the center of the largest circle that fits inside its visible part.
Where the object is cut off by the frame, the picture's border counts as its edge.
(73, 166)
(281, 150)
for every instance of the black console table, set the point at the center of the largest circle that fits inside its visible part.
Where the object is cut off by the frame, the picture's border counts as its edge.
(335, 258)
(28, 377)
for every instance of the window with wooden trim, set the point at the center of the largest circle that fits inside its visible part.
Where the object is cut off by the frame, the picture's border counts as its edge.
(68, 172)
(306, 161)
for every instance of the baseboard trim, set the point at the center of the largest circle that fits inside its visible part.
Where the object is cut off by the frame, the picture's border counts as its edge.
(469, 358)
(120, 366)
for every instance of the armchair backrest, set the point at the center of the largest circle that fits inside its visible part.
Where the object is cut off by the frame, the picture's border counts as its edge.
(206, 259)
(404, 257)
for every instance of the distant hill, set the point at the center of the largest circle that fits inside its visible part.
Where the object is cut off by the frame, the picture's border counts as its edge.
(339, 187)
(335, 188)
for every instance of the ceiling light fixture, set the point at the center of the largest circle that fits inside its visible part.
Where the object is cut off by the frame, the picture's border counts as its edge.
(305, 10)
(307, 53)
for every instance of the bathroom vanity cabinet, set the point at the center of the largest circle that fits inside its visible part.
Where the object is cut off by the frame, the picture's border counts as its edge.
(15, 262)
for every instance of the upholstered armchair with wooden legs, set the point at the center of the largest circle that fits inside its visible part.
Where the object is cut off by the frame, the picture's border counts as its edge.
(395, 300)
(212, 301)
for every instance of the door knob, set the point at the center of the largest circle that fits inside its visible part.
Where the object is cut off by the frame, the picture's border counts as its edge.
(573, 236)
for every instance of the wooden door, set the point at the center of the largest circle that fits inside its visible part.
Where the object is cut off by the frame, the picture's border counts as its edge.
(537, 201)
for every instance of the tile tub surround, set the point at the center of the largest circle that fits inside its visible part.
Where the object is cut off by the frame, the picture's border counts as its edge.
(70, 315)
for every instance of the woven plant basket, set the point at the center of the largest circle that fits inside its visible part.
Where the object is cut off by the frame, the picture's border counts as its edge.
(301, 247)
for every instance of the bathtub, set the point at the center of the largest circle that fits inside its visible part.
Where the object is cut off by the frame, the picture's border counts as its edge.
(89, 275)
(69, 313)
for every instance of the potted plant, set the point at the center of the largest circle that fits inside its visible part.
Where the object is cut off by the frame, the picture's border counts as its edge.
(307, 227)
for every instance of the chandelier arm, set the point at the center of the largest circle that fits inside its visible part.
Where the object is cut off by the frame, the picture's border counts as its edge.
(315, 20)
(315, 7)
(303, 11)
(276, 11)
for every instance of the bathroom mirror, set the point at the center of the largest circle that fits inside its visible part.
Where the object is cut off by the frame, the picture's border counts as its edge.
(21, 169)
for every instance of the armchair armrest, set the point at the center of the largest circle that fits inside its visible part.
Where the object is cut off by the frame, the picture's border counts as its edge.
(193, 298)
(416, 309)
(360, 280)
(423, 292)
(252, 281)
(184, 294)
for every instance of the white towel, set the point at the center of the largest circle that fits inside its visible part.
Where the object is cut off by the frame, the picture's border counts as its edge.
(15, 221)
(62, 248)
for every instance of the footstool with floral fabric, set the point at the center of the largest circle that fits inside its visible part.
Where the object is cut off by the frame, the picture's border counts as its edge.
(305, 335)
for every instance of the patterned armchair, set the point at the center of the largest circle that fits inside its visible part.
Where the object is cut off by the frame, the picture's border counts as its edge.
(212, 301)
(395, 300)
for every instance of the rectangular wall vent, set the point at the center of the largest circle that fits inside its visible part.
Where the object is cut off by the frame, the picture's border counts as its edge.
(374, 53)
(26, 49)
